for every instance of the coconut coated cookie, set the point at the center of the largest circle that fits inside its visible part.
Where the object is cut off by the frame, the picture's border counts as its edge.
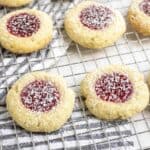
(115, 92)
(139, 16)
(25, 31)
(14, 3)
(40, 102)
(94, 25)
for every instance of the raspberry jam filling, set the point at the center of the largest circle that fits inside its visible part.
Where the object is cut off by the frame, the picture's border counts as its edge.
(40, 96)
(23, 25)
(145, 7)
(96, 17)
(114, 87)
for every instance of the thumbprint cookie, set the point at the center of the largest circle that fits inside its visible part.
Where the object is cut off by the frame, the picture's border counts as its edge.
(40, 102)
(25, 31)
(14, 3)
(94, 25)
(115, 92)
(139, 16)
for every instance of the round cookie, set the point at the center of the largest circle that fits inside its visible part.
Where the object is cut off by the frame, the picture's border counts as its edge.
(25, 31)
(40, 102)
(14, 3)
(115, 92)
(139, 16)
(94, 25)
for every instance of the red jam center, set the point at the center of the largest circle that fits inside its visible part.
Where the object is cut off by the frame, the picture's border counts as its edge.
(23, 25)
(96, 17)
(40, 96)
(145, 7)
(114, 87)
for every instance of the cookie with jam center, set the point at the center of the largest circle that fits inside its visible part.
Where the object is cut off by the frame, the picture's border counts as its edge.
(25, 31)
(139, 16)
(14, 3)
(40, 102)
(94, 25)
(115, 92)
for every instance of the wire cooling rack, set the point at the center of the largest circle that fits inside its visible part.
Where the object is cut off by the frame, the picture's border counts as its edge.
(82, 131)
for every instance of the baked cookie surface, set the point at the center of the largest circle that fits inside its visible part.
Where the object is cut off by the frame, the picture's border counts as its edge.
(14, 3)
(40, 102)
(115, 92)
(25, 31)
(139, 16)
(94, 25)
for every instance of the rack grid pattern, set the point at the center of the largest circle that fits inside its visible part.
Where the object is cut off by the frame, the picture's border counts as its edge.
(82, 131)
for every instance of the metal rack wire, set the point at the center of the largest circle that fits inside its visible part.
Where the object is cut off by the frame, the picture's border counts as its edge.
(82, 131)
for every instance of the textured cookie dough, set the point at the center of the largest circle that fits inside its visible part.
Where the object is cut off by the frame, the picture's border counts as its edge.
(25, 31)
(115, 97)
(14, 3)
(39, 108)
(94, 25)
(139, 16)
